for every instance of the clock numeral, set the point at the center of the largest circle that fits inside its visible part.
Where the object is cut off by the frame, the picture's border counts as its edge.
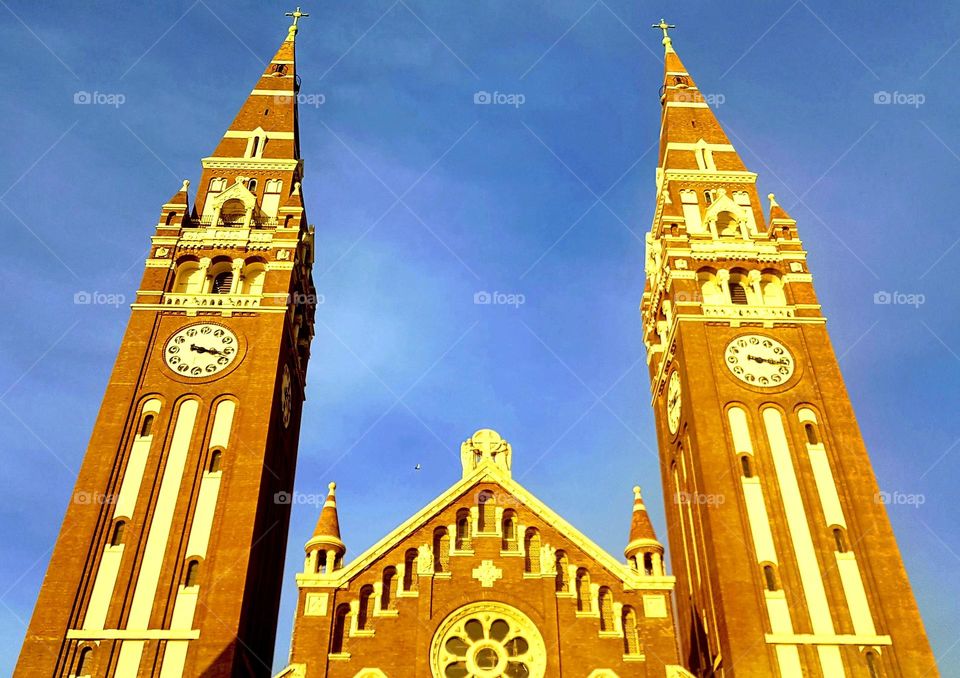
(192, 332)
(182, 367)
(206, 329)
(211, 368)
(173, 349)
(219, 332)
(179, 339)
(228, 351)
(222, 360)
(228, 340)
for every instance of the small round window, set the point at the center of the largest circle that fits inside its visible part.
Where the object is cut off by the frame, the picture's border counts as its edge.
(488, 640)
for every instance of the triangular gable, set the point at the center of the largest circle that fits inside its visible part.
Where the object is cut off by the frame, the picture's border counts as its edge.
(486, 472)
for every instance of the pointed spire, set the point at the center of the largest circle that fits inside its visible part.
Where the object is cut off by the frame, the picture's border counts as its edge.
(777, 213)
(640, 526)
(327, 532)
(174, 211)
(269, 114)
(263, 141)
(688, 121)
(644, 553)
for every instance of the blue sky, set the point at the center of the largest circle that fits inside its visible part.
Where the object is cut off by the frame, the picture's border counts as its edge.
(548, 199)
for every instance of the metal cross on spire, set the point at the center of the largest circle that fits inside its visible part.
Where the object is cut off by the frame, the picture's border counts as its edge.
(297, 15)
(665, 27)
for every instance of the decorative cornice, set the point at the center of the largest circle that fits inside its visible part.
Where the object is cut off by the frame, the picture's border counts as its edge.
(280, 164)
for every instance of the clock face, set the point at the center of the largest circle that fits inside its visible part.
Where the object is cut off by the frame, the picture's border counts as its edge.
(286, 395)
(674, 402)
(759, 361)
(201, 350)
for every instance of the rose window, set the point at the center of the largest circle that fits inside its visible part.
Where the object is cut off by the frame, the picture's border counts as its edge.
(488, 640)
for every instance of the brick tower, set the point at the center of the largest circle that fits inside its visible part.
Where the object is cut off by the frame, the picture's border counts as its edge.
(785, 560)
(170, 556)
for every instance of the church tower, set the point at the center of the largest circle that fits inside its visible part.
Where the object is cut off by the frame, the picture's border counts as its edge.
(785, 560)
(169, 561)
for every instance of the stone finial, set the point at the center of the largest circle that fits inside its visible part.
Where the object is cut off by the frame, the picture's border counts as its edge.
(485, 446)
(186, 185)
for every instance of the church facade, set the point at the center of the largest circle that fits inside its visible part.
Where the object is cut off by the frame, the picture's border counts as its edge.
(796, 572)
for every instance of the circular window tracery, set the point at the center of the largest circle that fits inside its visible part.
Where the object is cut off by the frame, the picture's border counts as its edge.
(488, 640)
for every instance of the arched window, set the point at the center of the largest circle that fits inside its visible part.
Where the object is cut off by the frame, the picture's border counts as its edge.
(710, 290)
(216, 457)
(441, 550)
(84, 668)
(339, 628)
(463, 530)
(273, 186)
(770, 578)
(146, 426)
(873, 663)
(119, 528)
(254, 147)
(727, 225)
(531, 548)
(648, 564)
(708, 197)
(410, 570)
(193, 573)
(840, 539)
(772, 289)
(738, 293)
(562, 565)
(810, 430)
(189, 279)
(170, 217)
(253, 277)
(233, 213)
(746, 466)
(217, 184)
(583, 590)
(488, 512)
(365, 610)
(222, 282)
(252, 185)
(509, 530)
(631, 639)
(606, 609)
(388, 600)
(321, 561)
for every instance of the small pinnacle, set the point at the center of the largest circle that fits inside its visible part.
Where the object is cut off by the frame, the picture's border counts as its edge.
(773, 200)
(186, 185)
(296, 188)
(332, 487)
(636, 493)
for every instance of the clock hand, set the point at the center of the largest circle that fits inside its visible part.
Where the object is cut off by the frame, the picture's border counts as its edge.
(203, 349)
